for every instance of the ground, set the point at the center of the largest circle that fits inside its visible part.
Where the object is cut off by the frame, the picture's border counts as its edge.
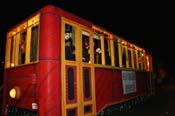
(162, 104)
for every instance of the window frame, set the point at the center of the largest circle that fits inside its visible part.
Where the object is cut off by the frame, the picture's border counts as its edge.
(12, 54)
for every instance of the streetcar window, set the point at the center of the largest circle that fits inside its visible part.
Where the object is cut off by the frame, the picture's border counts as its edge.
(22, 43)
(9, 59)
(107, 50)
(143, 60)
(85, 47)
(116, 56)
(135, 58)
(13, 55)
(22, 47)
(129, 57)
(34, 44)
(70, 42)
(123, 57)
(140, 59)
(97, 49)
(11, 49)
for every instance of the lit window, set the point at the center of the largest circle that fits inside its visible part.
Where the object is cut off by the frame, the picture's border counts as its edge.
(97, 48)
(34, 44)
(70, 42)
(22, 48)
(107, 50)
(22, 44)
(116, 56)
(85, 47)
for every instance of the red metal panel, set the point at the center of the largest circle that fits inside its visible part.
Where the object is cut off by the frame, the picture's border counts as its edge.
(49, 75)
(103, 86)
(25, 78)
(50, 44)
(21, 71)
(109, 88)
(28, 87)
(140, 83)
(49, 90)
(117, 86)
(146, 82)
(4, 99)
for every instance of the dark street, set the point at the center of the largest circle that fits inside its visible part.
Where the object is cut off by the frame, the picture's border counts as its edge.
(162, 104)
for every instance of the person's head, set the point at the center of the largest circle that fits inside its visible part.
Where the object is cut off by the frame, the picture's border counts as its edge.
(68, 36)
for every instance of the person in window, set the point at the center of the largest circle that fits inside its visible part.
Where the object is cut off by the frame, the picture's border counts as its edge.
(69, 50)
(86, 52)
(22, 51)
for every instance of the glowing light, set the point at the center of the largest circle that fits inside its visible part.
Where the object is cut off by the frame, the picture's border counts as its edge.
(12, 64)
(24, 26)
(123, 42)
(13, 33)
(15, 92)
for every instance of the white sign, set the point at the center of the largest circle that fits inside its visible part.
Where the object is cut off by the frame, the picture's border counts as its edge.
(128, 82)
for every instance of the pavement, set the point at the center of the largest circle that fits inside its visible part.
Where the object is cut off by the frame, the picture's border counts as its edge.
(161, 104)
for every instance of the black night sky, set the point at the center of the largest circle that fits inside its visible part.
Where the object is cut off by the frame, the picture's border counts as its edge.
(148, 25)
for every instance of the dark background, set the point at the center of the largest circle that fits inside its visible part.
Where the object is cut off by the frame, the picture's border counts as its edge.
(146, 24)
